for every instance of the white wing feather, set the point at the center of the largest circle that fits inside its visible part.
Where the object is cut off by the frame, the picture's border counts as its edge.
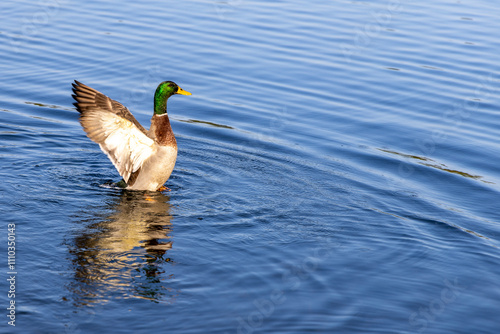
(126, 146)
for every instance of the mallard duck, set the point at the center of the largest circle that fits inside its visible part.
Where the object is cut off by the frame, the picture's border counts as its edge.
(144, 159)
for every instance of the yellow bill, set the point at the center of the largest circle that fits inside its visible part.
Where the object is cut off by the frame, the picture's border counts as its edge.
(183, 92)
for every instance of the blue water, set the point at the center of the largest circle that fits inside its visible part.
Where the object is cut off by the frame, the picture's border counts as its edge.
(337, 171)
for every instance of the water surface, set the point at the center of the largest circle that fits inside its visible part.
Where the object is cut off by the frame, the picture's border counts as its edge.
(337, 168)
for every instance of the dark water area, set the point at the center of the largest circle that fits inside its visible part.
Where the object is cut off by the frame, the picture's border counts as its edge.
(337, 171)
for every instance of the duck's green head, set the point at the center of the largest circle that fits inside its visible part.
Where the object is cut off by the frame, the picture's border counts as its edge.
(163, 92)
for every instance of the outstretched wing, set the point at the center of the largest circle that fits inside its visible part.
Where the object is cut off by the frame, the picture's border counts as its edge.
(115, 129)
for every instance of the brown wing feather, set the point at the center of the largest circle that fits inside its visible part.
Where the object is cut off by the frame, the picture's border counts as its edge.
(117, 132)
(89, 99)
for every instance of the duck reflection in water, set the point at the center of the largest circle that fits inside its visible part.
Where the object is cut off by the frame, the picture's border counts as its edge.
(125, 253)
